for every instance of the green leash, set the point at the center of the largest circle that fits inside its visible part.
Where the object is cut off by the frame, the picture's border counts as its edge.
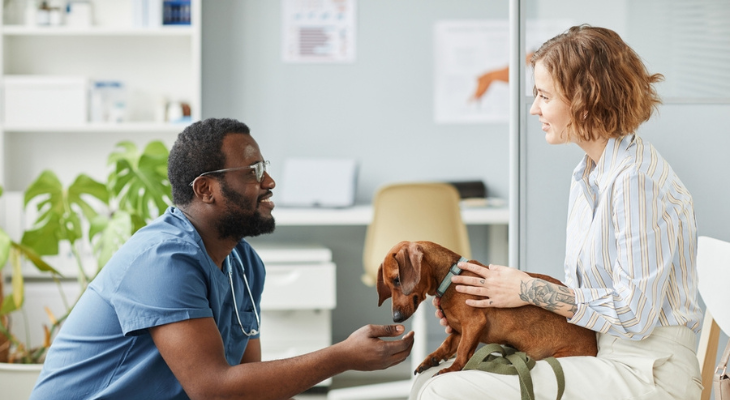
(513, 362)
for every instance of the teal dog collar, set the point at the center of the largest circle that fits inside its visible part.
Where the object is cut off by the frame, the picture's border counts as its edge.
(446, 282)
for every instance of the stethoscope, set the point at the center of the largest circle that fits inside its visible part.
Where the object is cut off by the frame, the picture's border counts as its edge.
(248, 288)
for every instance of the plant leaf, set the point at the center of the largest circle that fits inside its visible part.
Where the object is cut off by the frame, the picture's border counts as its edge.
(47, 183)
(17, 278)
(113, 234)
(8, 305)
(139, 180)
(44, 240)
(48, 229)
(86, 185)
(31, 255)
(60, 211)
(4, 248)
(51, 317)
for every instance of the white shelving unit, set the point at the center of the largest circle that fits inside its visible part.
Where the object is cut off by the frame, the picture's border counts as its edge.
(155, 63)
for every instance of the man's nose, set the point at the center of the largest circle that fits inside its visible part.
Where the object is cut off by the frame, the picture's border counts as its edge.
(268, 182)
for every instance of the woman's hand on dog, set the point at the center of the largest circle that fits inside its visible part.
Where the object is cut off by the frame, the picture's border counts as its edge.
(499, 286)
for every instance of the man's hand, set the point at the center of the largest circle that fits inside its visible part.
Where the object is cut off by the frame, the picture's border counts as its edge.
(368, 352)
(440, 315)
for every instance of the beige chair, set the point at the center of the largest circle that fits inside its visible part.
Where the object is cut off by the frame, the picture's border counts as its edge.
(713, 269)
(408, 211)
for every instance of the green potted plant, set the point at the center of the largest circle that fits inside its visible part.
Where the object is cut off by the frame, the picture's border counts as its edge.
(136, 191)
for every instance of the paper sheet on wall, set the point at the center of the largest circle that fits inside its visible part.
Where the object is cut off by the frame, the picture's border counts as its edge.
(470, 53)
(465, 50)
(318, 31)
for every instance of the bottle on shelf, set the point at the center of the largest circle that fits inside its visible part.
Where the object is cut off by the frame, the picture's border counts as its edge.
(79, 13)
(43, 15)
(107, 102)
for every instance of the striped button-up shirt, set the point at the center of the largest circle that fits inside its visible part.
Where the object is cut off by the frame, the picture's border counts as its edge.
(631, 243)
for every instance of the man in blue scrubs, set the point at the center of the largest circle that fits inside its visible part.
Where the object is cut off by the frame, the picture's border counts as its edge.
(175, 312)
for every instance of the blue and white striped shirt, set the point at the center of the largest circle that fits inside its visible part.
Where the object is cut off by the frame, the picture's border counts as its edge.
(631, 243)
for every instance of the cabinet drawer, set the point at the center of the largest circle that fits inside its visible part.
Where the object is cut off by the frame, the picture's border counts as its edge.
(283, 345)
(297, 287)
(296, 326)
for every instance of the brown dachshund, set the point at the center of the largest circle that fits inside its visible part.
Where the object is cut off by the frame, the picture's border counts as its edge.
(412, 270)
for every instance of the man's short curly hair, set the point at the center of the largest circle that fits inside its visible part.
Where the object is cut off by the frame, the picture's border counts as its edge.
(608, 88)
(198, 149)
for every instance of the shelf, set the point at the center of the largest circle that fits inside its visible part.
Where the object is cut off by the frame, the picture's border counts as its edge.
(168, 30)
(99, 127)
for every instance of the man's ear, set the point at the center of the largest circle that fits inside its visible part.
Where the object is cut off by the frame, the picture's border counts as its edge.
(203, 189)
(409, 266)
(383, 289)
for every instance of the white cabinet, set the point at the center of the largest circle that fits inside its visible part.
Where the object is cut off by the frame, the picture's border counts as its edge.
(156, 64)
(299, 295)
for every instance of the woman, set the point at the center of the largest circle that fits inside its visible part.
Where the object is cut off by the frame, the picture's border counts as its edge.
(631, 239)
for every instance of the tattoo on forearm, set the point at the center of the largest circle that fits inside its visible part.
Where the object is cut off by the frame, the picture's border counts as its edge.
(547, 295)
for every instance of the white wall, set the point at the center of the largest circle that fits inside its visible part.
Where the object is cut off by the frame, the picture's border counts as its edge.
(378, 109)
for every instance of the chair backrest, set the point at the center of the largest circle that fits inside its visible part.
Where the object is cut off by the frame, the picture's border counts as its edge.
(413, 211)
(713, 270)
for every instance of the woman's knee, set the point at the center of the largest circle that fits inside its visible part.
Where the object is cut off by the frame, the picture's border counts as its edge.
(467, 385)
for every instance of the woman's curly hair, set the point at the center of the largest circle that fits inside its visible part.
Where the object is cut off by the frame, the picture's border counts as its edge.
(198, 149)
(608, 88)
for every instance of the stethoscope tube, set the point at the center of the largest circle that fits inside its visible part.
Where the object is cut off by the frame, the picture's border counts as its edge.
(250, 294)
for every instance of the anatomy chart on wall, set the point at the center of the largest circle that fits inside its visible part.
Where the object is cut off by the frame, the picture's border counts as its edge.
(471, 68)
(318, 31)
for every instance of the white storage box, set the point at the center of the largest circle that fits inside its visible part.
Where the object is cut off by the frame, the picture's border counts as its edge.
(45, 100)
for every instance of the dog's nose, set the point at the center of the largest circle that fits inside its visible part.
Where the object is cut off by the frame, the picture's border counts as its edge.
(398, 317)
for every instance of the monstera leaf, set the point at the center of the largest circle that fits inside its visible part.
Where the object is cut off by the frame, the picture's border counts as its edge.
(60, 211)
(108, 235)
(139, 180)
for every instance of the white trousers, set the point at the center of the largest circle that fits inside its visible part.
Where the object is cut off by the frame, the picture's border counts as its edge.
(662, 366)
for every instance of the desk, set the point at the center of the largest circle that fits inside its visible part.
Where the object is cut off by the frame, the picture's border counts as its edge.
(497, 219)
(363, 214)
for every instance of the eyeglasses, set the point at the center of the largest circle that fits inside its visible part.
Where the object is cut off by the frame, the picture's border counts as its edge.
(259, 168)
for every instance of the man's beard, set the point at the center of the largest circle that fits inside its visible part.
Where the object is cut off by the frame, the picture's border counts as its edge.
(237, 223)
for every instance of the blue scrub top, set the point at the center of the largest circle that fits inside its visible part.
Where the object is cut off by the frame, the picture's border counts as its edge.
(160, 276)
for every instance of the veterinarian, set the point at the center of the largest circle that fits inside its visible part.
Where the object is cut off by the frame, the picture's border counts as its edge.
(631, 239)
(175, 312)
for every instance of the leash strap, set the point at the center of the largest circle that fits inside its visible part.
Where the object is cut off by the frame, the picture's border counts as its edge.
(509, 361)
(446, 282)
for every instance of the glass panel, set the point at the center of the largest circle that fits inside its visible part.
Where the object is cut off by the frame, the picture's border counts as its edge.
(686, 41)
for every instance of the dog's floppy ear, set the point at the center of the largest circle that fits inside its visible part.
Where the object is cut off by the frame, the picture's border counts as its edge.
(383, 289)
(409, 266)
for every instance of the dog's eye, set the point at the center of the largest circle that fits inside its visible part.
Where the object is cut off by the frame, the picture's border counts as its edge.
(396, 282)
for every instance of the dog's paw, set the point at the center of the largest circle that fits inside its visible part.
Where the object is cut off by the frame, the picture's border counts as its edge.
(426, 364)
